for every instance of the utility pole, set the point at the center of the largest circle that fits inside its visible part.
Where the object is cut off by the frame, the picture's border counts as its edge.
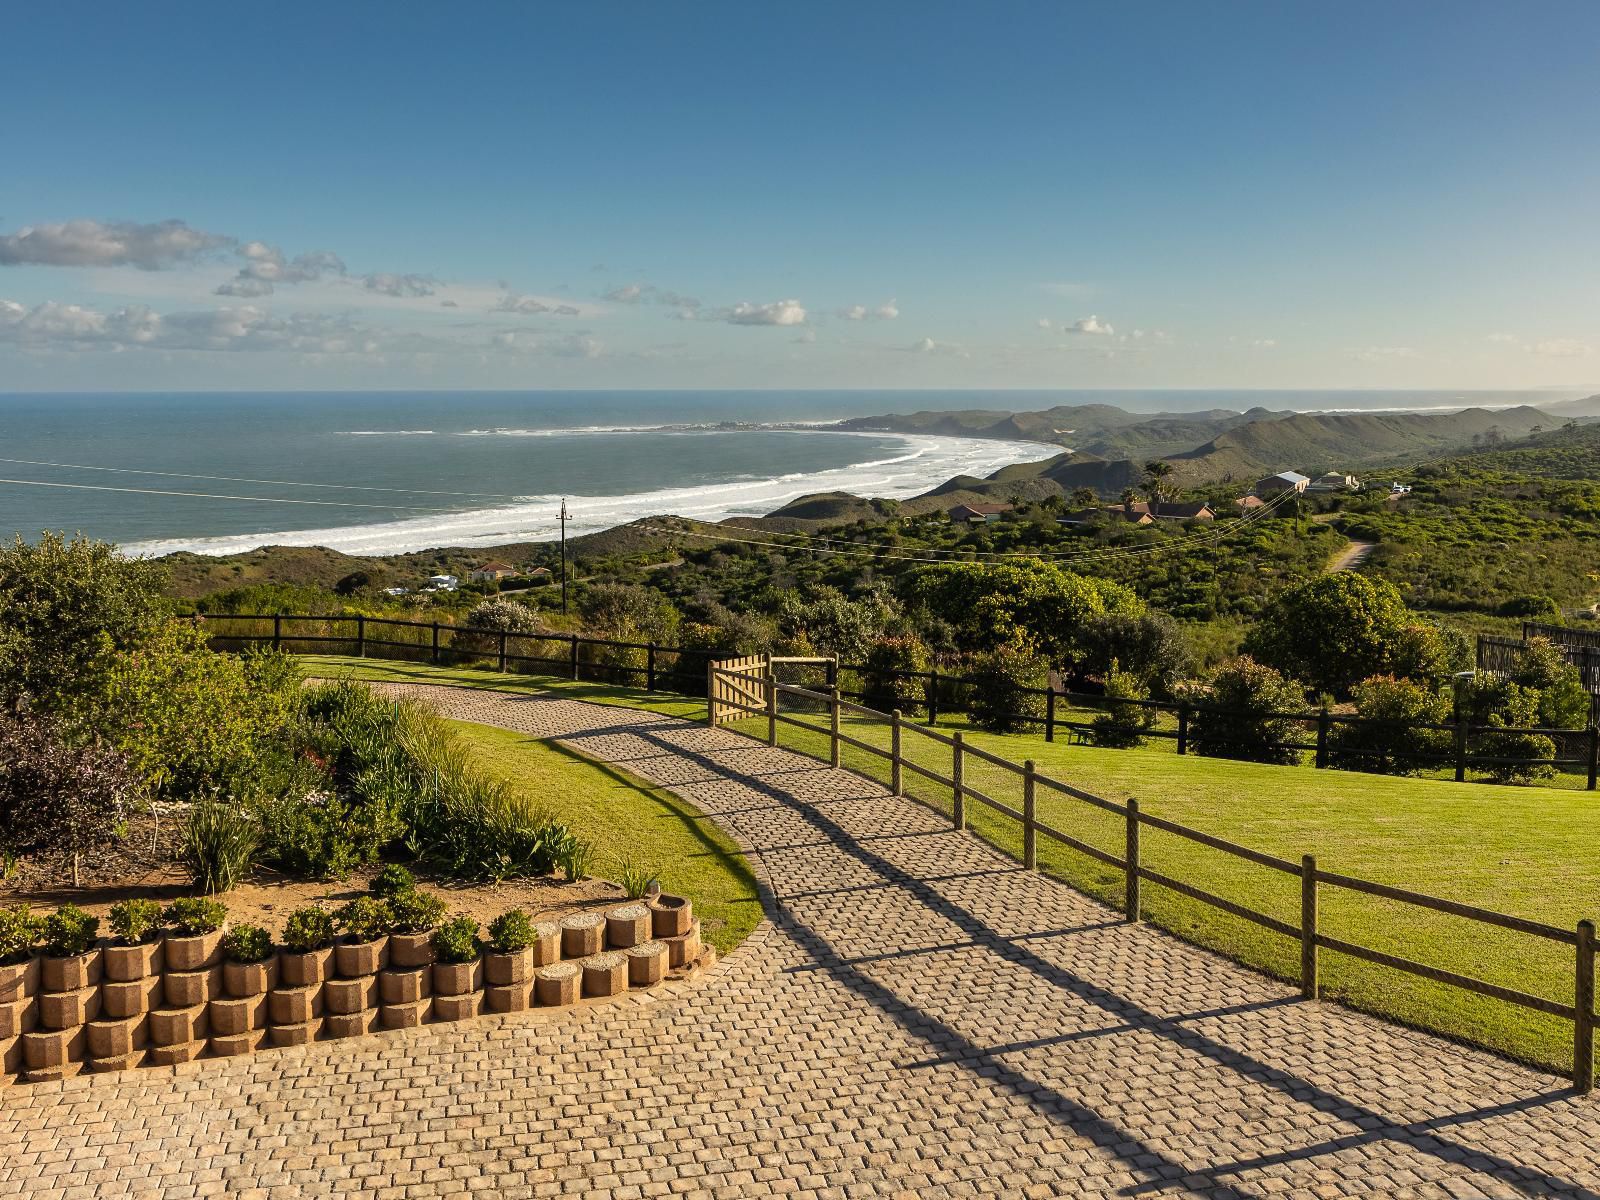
(563, 555)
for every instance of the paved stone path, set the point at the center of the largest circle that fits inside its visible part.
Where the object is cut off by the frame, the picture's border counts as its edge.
(918, 1018)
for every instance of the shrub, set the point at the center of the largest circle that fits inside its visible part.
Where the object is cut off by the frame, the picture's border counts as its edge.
(55, 795)
(1124, 722)
(391, 881)
(365, 919)
(1148, 646)
(1537, 607)
(1006, 688)
(635, 876)
(309, 928)
(575, 857)
(1523, 749)
(69, 931)
(1332, 631)
(890, 675)
(456, 941)
(512, 931)
(19, 933)
(191, 916)
(218, 841)
(503, 615)
(136, 921)
(1388, 738)
(1564, 702)
(65, 607)
(415, 911)
(1238, 718)
(247, 944)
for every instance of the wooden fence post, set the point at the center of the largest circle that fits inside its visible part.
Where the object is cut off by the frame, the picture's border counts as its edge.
(833, 725)
(1583, 1001)
(959, 803)
(436, 642)
(1183, 729)
(1308, 926)
(573, 665)
(1130, 867)
(770, 682)
(1461, 751)
(896, 781)
(650, 667)
(502, 652)
(1030, 835)
(1050, 715)
(1594, 755)
(361, 636)
(933, 697)
(277, 631)
(711, 693)
(1323, 722)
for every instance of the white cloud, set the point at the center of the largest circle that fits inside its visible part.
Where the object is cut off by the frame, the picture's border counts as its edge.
(1045, 323)
(266, 267)
(928, 345)
(108, 244)
(1562, 348)
(387, 284)
(649, 293)
(52, 325)
(1376, 354)
(779, 312)
(1091, 325)
(887, 311)
(630, 293)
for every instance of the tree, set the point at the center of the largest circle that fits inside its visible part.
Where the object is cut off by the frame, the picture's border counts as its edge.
(1156, 474)
(1333, 630)
(1084, 497)
(1149, 647)
(1243, 715)
(65, 607)
(1006, 690)
(829, 622)
(352, 583)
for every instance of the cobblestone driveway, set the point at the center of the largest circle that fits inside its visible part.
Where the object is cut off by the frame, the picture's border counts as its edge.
(919, 1018)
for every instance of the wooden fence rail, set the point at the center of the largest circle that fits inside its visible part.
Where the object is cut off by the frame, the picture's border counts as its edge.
(1306, 932)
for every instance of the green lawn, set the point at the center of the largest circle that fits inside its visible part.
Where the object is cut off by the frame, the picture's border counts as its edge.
(621, 815)
(1530, 852)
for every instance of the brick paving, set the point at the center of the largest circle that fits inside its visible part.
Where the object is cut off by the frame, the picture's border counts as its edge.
(919, 1017)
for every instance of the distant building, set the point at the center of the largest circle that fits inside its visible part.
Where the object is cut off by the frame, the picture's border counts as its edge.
(492, 572)
(442, 583)
(397, 591)
(978, 513)
(1133, 514)
(1283, 481)
(1198, 511)
(1334, 482)
(1247, 504)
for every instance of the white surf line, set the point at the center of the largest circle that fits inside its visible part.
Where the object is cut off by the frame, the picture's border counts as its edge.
(354, 487)
(93, 487)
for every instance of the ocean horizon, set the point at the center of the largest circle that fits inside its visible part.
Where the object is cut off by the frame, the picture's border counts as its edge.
(388, 472)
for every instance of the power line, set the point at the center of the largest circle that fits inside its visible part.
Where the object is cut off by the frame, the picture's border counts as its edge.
(91, 487)
(355, 487)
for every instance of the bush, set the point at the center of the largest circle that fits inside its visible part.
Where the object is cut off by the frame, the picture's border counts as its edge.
(415, 911)
(1237, 720)
(1148, 646)
(391, 881)
(1005, 690)
(503, 615)
(1333, 631)
(1124, 722)
(247, 944)
(365, 919)
(1388, 739)
(55, 795)
(309, 928)
(575, 856)
(19, 933)
(1564, 702)
(191, 916)
(69, 931)
(635, 876)
(456, 941)
(218, 842)
(890, 674)
(512, 931)
(1541, 608)
(136, 921)
(66, 606)
(1522, 748)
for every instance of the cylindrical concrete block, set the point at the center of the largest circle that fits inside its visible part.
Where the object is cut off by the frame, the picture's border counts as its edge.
(185, 989)
(500, 970)
(300, 1033)
(130, 998)
(68, 1010)
(339, 1025)
(647, 964)
(509, 997)
(582, 934)
(548, 948)
(117, 1038)
(192, 953)
(167, 1056)
(681, 951)
(232, 1016)
(124, 963)
(408, 950)
(54, 1049)
(305, 970)
(557, 984)
(605, 975)
(397, 986)
(120, 1062)
(249, 979)
(293, 1006)
(457, 979)
(345, 996)
(670, 916)
(19, 980)
(457, 1008)
(229, 1044)
(627, 926)
(69, 974)
(178, 1026)
(352, 959)
(406, 1016)
(17, 1017)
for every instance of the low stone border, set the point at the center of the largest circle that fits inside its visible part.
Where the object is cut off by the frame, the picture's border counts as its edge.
(174, 1000)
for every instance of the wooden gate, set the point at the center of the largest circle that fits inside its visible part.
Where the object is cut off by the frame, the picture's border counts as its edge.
(737, 687)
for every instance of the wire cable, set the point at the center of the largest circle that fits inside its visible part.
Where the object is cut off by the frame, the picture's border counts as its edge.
(91, 487)
(355, 487)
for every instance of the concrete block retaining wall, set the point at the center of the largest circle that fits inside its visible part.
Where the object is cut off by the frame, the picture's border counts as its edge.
(175, 999)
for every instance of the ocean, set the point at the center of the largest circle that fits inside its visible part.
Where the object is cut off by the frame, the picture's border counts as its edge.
(382, 473)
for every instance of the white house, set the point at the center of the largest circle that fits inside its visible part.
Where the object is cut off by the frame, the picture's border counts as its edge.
(442, 583)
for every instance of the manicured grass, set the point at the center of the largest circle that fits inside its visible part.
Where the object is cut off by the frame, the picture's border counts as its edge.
(1529, 852)
(621, 815)
(332, 666)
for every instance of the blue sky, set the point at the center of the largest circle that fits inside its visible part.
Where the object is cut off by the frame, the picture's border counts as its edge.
(733, 195)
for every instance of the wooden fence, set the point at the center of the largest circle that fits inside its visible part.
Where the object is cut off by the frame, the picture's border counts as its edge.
(1312, 878)
(1326, 739)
